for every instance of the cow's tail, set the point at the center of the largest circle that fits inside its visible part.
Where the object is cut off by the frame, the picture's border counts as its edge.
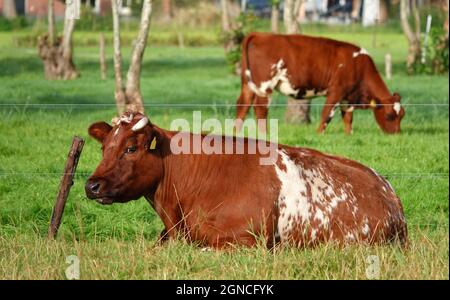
(246, 70)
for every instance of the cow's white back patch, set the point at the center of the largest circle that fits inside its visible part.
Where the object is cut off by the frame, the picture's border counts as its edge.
(292, 200)
(279, 78)
(308, 199)
(362, 51)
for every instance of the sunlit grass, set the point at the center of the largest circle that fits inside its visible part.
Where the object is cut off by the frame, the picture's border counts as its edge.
(119, 241)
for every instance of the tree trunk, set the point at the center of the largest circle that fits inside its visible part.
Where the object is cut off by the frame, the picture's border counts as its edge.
(297, 111)
(356, 9)
(226, 23)
(297, 14)
(383, 13)
(226, 26)
(119, 93)
(51, 22)
(167, 10)
(129, 97)
(413, 37)
(9, 9)
(289, 19)
(230, 39)
(275, 17)
(133, 88)
(56, 53)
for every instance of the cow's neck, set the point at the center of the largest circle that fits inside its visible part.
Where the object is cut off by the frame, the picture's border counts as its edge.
(168, 200)
(375, 87)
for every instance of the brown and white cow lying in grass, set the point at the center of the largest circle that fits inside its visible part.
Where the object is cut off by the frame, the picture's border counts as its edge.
(306, 67)
(304, 197)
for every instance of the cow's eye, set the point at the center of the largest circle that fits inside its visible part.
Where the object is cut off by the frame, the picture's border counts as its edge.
(131, 149)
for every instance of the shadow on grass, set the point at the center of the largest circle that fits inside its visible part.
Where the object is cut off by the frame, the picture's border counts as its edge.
(430, 130)
(184, 64)
(15, 66)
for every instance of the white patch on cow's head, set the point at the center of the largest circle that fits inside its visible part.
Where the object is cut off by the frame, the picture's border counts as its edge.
(340, 66)
(141, 124)
(126, 118)
(362, 51)
(397, 107)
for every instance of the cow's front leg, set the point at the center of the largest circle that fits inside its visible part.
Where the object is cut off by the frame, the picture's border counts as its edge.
(163, 236)
(261, 108)
(347, 117)
(328, 111)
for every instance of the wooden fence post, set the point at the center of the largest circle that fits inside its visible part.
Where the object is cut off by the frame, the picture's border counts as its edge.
(102, 56)
(388, 66)
(65, 185)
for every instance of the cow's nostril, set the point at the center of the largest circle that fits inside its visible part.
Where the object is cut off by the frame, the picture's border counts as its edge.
(95, 187)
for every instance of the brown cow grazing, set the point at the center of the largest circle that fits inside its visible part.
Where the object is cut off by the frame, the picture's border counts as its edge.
(303, 197)
(305, 67)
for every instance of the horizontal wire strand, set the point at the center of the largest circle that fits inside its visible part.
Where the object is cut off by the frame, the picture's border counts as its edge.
(388, 175)
(112, 105)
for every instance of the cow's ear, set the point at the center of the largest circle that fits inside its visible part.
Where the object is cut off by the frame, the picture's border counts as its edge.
(99, 131)
(397, 97)
(153, 141)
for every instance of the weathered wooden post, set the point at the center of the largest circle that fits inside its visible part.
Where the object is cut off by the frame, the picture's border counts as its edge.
(65, 185)
(388, 66)
(102, 56)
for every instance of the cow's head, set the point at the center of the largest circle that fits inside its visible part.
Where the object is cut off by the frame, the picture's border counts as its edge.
(131, 165)
(389, 113)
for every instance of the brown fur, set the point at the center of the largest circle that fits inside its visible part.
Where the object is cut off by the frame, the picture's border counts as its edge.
(317, 64)
(218, 200)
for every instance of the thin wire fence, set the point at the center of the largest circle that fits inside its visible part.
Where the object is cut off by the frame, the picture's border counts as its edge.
(209, 105)
(402, 176)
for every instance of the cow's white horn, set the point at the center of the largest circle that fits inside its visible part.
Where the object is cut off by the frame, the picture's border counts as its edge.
(141, 124)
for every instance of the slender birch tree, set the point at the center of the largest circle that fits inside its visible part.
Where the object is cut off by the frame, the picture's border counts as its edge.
(297, 111)
(128, 95)
(412, 35)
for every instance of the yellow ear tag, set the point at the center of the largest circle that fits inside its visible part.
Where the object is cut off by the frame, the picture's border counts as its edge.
(373, 103)
(153, 144)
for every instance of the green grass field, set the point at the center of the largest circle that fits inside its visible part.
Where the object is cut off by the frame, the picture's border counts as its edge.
(38, 119)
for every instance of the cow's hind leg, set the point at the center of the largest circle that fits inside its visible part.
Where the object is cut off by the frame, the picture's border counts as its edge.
(347, 117)
(261, 108)
(329, 110)
(242, 106)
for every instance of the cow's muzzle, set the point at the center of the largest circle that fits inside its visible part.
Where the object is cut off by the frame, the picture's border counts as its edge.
(95, 190)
